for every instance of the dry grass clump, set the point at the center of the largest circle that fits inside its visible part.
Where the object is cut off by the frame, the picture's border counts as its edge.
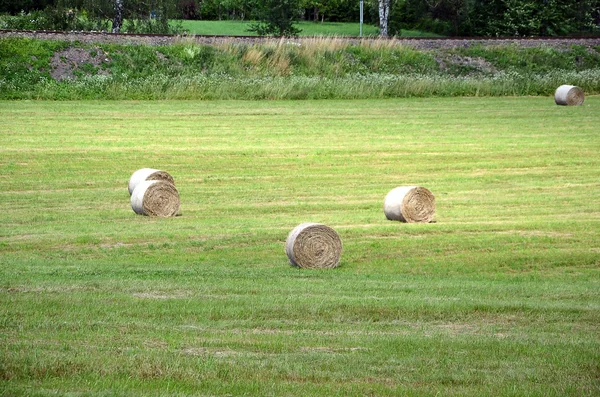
(253, 56)
(279, 57)
(276, 56)
(318, 45)
(379, 43)
(231, 46)
(280, 63)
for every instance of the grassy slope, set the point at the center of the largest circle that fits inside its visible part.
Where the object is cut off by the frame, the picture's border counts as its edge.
(315, 68)
(499, 297)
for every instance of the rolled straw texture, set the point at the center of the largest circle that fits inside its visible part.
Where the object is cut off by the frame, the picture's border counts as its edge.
(148, 174)
(155, 198)
(314, 246)
(569, 95)
(410, 204)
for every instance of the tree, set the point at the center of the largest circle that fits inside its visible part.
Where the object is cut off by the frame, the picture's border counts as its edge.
(187, 9)
(277, 17)
(139, 16)
(118, 19)
(452, 10)
(321, 10)
(16, 6)
(532, 17)
(384, 16)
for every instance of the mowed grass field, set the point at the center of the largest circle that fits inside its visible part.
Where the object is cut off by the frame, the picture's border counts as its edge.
(499, 296)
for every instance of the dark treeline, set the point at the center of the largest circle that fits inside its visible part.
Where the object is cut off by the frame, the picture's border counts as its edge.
(446, 17)
(498, 17)
(139, 16)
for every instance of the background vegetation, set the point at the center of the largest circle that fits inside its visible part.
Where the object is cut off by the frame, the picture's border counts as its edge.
(151, 16)
(498, 17)
(501, 296)
(444, 17)
(310, 68)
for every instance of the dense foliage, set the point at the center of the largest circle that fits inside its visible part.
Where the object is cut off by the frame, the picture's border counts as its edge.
(276, 17)
(151, 16)
(498, 17)
(446, 17)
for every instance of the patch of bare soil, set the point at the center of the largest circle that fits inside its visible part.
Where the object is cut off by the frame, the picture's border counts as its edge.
(72, 62)
(478, 64)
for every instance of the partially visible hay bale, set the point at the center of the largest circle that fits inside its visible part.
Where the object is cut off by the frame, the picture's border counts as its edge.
(155, 198)
(409, 204)
(148, 174)
(569, 95)
(313, 246)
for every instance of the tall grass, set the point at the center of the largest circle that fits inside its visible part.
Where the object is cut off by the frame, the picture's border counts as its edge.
(309, 68)
(359, 86)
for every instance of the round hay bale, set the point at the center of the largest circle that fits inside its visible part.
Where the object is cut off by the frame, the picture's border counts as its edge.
(410, 204)
(569, 95)
(314, 246)
(155, 198)
(148, 174)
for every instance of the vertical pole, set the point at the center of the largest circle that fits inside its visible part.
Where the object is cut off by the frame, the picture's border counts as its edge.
(361, 16)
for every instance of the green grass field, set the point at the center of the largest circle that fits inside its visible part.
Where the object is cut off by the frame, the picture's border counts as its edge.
(500, 296)
(240, 28)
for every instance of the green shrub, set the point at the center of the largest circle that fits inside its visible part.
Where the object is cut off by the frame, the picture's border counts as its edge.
(73, 19)
(540, 59)
(60, 19)
(151, 26)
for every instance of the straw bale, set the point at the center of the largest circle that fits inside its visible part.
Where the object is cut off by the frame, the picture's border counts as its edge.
(314, 246)
(155, 198)
(569, 95)
(148, 174)
(410, 204)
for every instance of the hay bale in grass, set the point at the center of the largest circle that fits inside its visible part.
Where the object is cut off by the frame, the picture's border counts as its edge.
(313, 246)
(410, 204)
(155, 198)
(148, 174)
(569, 95)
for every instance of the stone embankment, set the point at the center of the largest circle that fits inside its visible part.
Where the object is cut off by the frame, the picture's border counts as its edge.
(419, 43)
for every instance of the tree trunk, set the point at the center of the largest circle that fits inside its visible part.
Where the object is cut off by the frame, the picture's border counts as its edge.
(384, 14)
(118, 19)
(164, 16)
